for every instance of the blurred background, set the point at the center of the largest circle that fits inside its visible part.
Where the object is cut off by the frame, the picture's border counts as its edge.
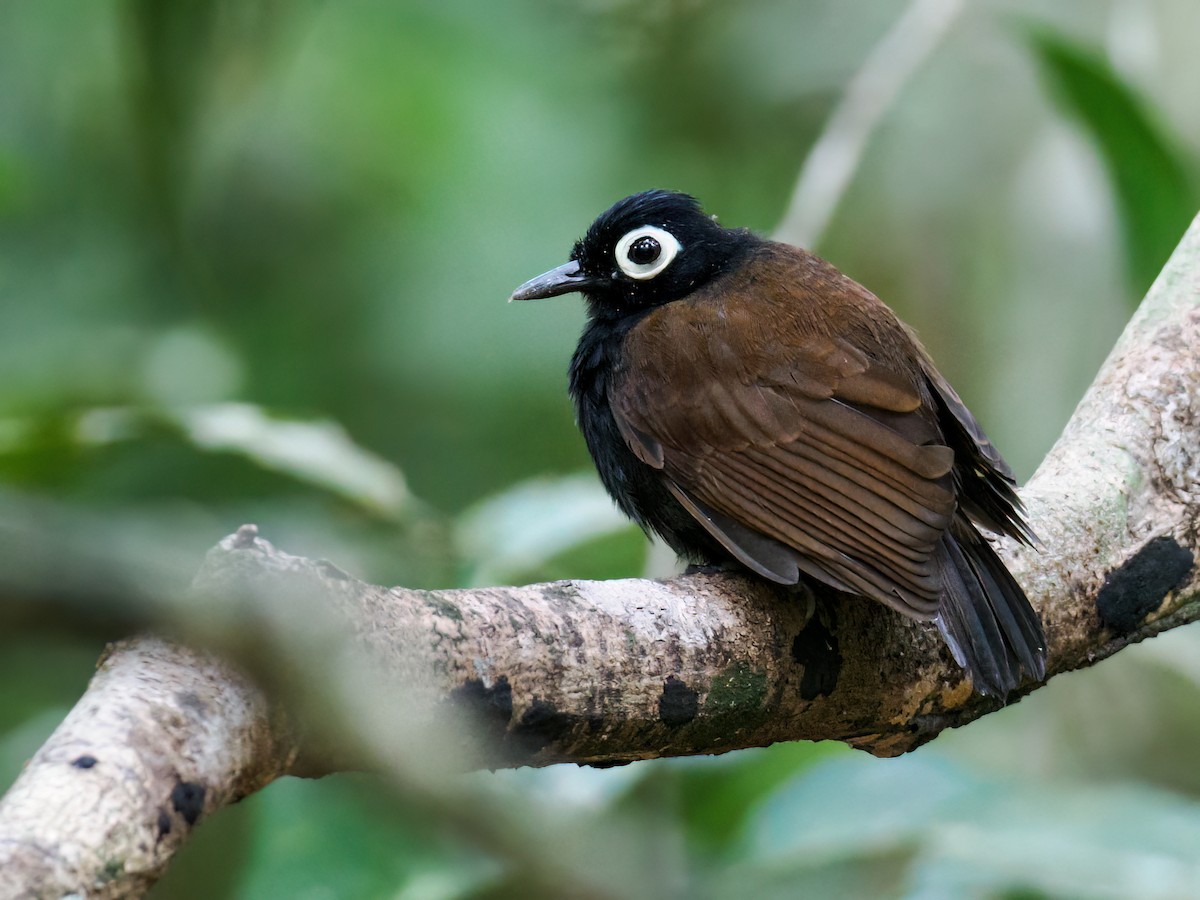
(253, 262)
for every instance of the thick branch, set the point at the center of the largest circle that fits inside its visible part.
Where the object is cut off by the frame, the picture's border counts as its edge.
(835, 157)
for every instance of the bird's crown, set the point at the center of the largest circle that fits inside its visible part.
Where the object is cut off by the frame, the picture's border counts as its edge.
(651, 248)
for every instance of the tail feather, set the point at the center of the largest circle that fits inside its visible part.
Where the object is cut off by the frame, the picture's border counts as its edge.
(985, 617)
(1012, 609)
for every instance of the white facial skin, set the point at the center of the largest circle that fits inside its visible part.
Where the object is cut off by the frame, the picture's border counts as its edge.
(644, 252)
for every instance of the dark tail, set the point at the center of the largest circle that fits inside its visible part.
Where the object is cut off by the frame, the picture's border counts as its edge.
(985, 617)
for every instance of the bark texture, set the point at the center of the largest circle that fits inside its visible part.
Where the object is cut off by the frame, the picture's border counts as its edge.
(605, 672)
(163, 737)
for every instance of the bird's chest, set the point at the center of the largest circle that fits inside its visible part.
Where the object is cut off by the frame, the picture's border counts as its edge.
(637, 489)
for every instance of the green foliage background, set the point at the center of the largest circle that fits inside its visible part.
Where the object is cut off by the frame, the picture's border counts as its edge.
(253, 263)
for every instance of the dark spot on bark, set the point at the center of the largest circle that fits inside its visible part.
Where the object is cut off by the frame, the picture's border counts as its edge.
(191, 700)
(441, 605)
(736, 702)
(559, 592)
(540, 724)
(1137, 588)
(188, 800)
(678, 703)
(490, 708)
(816, 649)
(329, 570)
(84, 762)
(738, 689)
(164, 824)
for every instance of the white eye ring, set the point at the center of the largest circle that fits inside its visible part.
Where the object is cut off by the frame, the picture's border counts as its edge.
(668, 250)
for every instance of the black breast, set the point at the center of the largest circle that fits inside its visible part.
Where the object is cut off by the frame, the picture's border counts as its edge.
(638, 489)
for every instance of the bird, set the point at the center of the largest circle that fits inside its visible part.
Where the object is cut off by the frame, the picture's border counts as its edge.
(759, 410)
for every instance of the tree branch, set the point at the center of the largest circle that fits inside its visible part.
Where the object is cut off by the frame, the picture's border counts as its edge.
(163, 736)
(834, 157)
(604, 672)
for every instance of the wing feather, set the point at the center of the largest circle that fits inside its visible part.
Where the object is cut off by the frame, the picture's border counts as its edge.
(834, 535)
(803, 455)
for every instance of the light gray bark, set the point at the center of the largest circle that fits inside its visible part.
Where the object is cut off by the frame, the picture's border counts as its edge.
(163, 736)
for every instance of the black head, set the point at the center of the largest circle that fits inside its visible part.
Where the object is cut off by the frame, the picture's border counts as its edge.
(646, 250)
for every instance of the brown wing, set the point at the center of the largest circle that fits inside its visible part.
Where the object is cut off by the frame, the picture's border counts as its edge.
(792, 448)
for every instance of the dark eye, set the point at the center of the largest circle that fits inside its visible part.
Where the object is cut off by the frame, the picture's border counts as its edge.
(646, 251)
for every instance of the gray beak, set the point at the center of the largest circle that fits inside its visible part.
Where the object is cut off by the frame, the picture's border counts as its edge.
(563, 280)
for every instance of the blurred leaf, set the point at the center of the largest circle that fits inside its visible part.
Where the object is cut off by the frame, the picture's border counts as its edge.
(522, 528)
(871, 876)
(338, 838)
(39, 669)
(18, 745)
(1132, 717)
(617, 554)
(316, 451)
(1152, 179)
(859, 805)
(13, 183)
(717, 794)
(969, 835)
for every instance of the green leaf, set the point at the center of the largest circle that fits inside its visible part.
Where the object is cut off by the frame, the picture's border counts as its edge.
(338, 837)
(940, 830)
(1152, 180)
(519, 530)
(717, 799)
(316, 451)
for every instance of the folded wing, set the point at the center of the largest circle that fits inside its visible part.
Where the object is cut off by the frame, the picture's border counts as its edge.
(801, 456)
